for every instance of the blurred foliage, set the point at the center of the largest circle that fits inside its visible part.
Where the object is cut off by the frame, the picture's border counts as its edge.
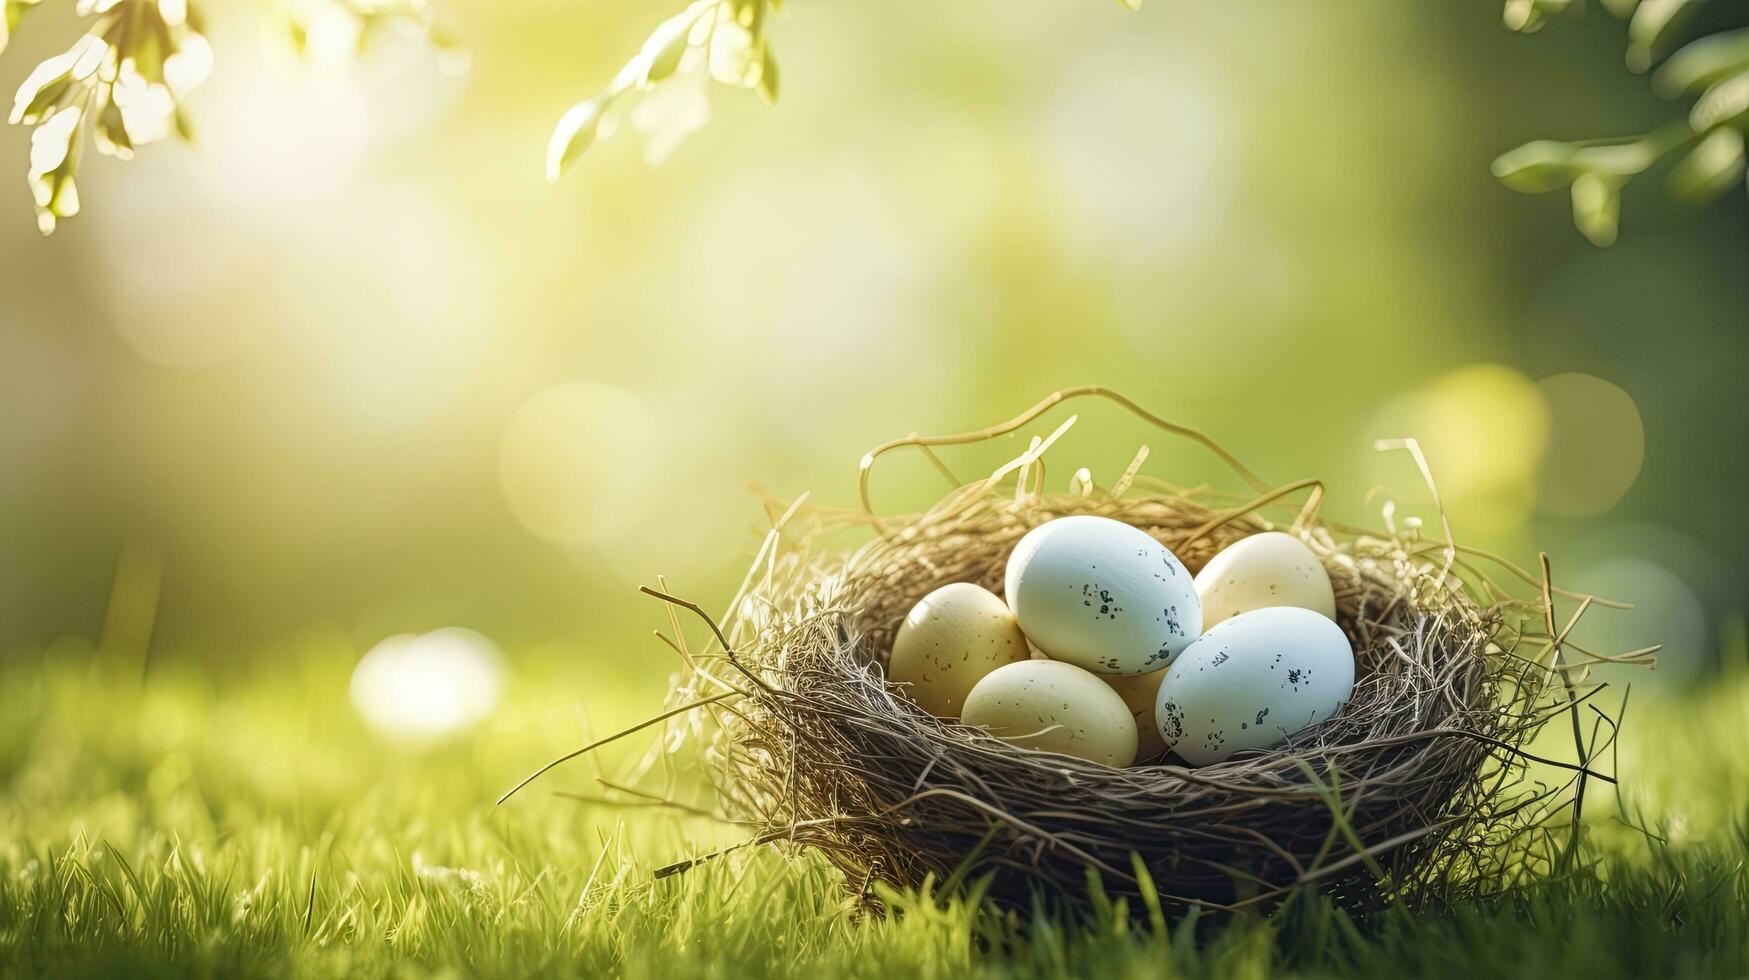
(123, 84)
(353, 363)
(1712, 69)
(711, 40)
(126, 80)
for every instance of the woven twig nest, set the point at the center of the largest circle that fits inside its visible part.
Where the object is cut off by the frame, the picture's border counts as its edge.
(1415, 789)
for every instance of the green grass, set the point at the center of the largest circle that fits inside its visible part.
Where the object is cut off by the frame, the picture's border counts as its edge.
(249, 826)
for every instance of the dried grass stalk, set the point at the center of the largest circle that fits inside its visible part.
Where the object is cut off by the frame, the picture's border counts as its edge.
(1418, 790)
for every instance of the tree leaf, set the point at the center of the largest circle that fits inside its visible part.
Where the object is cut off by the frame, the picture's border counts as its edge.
(1702, 62)
(1649, 26)
(1621, 159)
(1521, 16)
(1723, 102)
(749, 14)
(13, 13)
(183, 124)
(1711, 168)
(574, 134)
(1529, 16)
(42, 101)
(767, 74)
(735, 55)
(54, 163)
(1537, 167)
(1597, 208)
(149, 47)
(667, 45)
(111, 132)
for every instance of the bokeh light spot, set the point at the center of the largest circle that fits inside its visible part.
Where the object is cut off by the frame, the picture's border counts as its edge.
(1149, 173)
(1665, 611)
(1236, 293)
(394, 314)
(1596, 445)
(423, 687)
(321, 129)
(1484, 428)
(844, 280)
(574, 462)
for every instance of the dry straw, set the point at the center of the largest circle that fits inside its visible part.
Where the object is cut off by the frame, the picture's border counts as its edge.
(1420, 790)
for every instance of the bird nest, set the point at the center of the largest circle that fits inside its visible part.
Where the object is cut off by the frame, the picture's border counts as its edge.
(1420, 788)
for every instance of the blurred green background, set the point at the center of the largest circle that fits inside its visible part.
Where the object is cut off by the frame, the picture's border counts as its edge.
(351, 368)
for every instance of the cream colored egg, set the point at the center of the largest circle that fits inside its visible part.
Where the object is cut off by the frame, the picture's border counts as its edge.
(1054, 707)
(950, 640)
(1263, 570)
(1102, 595)
(1253, 681)
(1140, 693)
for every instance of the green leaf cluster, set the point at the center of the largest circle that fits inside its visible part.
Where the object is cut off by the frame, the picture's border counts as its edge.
(120, 85)
(1708, 144)
(123, 83)
(716, 40)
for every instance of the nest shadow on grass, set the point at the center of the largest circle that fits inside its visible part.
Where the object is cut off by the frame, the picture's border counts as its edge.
(1419, 789)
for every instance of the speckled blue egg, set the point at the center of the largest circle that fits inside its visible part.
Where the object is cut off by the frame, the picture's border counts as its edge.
(1102, 595)
(1252, 681)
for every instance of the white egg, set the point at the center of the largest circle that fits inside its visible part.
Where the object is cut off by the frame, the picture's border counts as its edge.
(950, 640)
(1103, 595)
(1263, 570)
(1054, 707)
(1252, 681)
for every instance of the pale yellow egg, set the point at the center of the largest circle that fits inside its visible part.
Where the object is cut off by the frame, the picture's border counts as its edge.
(950, 640)
(1263, 570)
(1054, 707)
(1140, 692)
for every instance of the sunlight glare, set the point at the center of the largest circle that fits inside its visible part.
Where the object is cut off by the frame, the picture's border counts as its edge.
(423, 687)
(1665, 611)
(574, 462)
(1137, 175)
